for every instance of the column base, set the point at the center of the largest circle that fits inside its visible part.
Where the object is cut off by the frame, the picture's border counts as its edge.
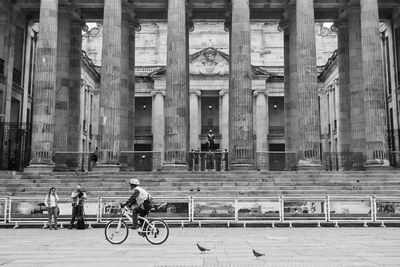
(378, 164)
(100, 168)
(309, 165)
(179, 167)
(39, 168)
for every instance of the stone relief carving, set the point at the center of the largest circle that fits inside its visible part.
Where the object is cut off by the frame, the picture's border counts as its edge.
(209, 63)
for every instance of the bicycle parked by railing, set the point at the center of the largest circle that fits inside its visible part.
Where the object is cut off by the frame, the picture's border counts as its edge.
(156, 231)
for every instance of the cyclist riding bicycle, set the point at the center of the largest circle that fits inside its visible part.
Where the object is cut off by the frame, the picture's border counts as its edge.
(140, 202)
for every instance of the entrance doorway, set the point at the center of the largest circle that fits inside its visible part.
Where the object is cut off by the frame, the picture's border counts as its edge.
(143, 158)
(277, 157)
(210, 118)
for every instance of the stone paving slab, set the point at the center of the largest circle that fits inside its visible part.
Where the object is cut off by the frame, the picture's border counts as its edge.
(364, 247)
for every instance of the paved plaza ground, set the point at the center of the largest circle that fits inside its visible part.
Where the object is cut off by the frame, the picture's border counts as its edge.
(229, 247)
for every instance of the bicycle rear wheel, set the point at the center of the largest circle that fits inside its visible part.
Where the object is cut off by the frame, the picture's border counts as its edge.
(157, 231)
(116, 231)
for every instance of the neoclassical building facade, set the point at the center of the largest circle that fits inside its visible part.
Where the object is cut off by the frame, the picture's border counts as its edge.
(242, 100)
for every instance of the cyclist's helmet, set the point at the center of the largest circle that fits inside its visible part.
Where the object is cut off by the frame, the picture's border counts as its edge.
(134, 181)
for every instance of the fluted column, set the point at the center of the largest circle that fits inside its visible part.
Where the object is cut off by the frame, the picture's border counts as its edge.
(45, 85)
(374, 91)
(124, 89)
(158, 122)
(7, 29)
(63, 74)
(74, 111)
(224, 120)
(131, 85)
(306, 101)
(262, 123)
(109, 123)
(357, 118)
(194, 120)
(177, 87)
(284, 25)
(344, 127)
(241, 139)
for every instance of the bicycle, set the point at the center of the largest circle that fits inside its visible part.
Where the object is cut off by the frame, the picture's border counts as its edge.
(156, 231)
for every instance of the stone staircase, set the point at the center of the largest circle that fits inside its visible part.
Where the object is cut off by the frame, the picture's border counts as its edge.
(207, 184)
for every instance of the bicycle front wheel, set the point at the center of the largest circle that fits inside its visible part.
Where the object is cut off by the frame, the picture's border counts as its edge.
(116, 231)
(157, 231)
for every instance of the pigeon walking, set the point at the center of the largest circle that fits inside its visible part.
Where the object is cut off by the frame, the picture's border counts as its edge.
(257, 254)
(202, 249)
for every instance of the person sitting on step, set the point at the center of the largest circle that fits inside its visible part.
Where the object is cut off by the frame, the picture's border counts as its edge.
(140, 202)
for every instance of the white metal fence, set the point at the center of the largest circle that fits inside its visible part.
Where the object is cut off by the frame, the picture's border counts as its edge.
(311, 209)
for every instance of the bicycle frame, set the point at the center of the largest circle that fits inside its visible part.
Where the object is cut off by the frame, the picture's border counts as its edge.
(125, 213)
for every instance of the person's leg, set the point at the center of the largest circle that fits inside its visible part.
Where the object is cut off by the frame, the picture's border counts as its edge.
(49, 213)
(55, 215)
(135, 210)
(71, 223)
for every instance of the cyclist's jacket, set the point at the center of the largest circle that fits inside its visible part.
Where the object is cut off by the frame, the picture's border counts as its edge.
(139, 196)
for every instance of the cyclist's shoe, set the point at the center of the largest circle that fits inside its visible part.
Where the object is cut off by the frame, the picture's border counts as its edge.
(141, 232)
(135, 226)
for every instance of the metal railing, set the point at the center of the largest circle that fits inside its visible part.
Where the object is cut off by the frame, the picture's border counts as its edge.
(33, 210)
(169, 208)
(197, 209)
(3, 209)
(200, 161)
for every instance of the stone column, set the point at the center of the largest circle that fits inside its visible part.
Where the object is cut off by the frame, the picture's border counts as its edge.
(241, 140)
(123, 89)
(344, 127)
(224, 120)
(62, 85)
(158, 122)
(284, 25)
(7, 28)
(75, 90)
(373, 86)
(109, 124)
(177, 87)
(194, 120)
(308, 141)
(9, 47)
(45, 86)
(357, 116)
(262, 123)
(291, 67)
(131, 84)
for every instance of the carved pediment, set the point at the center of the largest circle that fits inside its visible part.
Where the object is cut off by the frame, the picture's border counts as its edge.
(209, 62)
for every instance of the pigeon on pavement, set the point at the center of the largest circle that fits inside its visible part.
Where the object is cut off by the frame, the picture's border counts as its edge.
(257, 254)
(202, 249)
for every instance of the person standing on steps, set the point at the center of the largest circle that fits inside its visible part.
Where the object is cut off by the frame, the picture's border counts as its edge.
(210, 140)
(51, 202)
(78, 197)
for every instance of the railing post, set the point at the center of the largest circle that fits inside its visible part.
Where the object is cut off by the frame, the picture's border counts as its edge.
(373, 208)
(327, 209)
(192, 204)
(5, 209)
(236, 209)
(281, 209)
(9, 210)
(190, 209)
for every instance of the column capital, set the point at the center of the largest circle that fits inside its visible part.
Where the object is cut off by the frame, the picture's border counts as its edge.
(222, 93)
(198, 92)
(162, 92)
(257, 92)
(283, 24)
